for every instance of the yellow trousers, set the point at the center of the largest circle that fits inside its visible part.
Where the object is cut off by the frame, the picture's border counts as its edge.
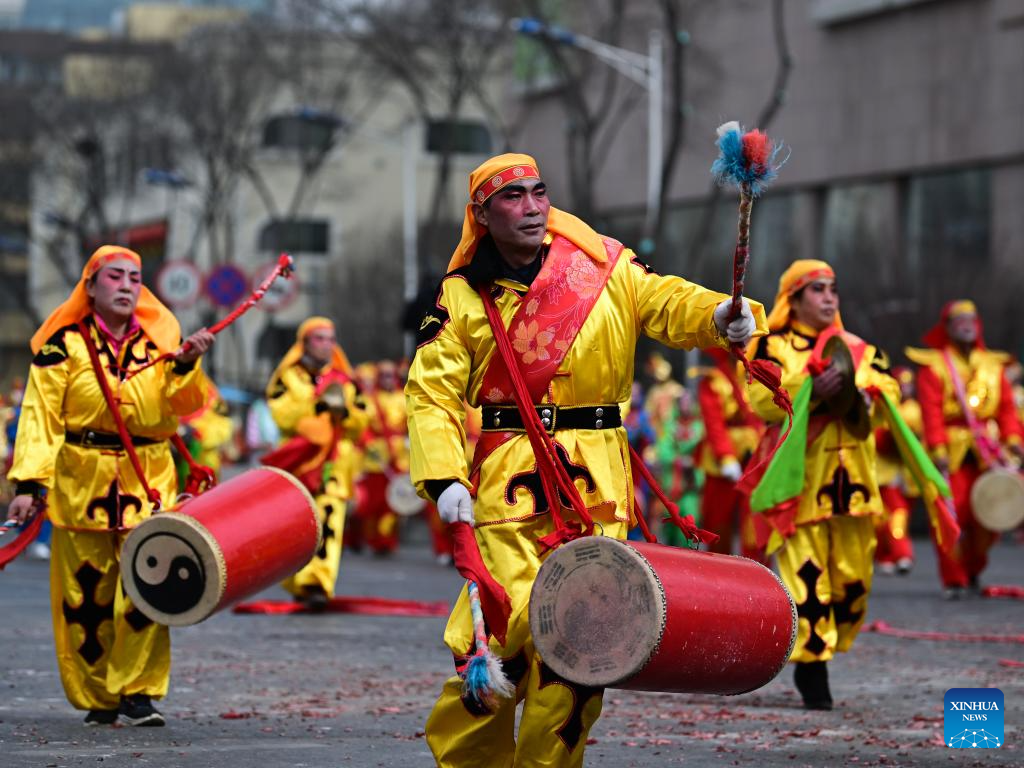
(827, 566)
(557, 715)
(105, 647)
(322, 570)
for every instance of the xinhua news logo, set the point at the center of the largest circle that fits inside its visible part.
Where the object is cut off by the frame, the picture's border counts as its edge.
(973, 718)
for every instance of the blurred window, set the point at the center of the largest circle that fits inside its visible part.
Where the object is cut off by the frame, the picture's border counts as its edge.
(296, 236)
(465, 136)
(306, 132)
(948, 220)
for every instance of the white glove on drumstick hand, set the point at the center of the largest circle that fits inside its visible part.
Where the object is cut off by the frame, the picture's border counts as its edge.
(455, 505)
(740, 330)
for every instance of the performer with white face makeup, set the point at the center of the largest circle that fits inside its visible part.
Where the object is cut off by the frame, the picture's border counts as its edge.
(71, 462)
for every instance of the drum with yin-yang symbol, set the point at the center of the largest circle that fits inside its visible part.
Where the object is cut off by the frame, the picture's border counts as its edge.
(242, 536)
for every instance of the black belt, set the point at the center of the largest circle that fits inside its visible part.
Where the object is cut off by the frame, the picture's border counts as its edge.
(92, 439)
(506, 418)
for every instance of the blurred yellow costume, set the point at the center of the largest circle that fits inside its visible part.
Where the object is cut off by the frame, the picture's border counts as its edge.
(213, 429)
(295, 404)
(455, 348)
(67, 442)
(826, 560)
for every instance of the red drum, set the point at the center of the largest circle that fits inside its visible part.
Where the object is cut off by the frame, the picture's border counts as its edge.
(229, 543)
(646, 617)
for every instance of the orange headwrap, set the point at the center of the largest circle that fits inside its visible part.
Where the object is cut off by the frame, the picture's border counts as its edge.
(800, 274)
(499, 172)
(156, 320)
(339, 362)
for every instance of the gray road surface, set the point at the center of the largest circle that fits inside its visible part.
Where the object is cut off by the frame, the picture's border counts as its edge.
(340, 690)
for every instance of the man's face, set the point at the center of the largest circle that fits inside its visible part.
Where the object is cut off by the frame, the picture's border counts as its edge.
(319, 345)
(963, 328)
(517, 216)
(817, 304)
(114, 290)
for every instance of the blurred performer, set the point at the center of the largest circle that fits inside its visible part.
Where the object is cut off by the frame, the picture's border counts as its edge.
(70, 461)
(663, 393)
(209, 430)
(676, 448)
(384, 455)
(313, 400)
(965, 399)
(895, 553)
(828, 525)
(538, 263)
(732, 433)
(642, 437)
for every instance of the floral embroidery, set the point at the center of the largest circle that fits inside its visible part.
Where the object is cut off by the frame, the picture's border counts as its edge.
(531, 343)
(532, 306)
(583, 275)
(495, 395)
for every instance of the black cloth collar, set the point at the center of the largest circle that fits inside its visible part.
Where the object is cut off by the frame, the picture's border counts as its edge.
(487, 266)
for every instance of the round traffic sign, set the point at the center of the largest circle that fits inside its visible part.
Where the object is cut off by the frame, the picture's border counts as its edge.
(281, 293)
(226, 285)
(178, 284)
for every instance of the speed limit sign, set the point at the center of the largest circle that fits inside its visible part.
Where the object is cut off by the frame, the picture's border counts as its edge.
(281, 293)
(178, 284)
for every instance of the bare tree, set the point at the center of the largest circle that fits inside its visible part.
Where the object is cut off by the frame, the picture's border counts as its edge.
(442, 54)
(776, 98)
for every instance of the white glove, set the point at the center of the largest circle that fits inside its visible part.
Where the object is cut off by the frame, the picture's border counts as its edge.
(455, 505)
(732, 471)
(739, 330)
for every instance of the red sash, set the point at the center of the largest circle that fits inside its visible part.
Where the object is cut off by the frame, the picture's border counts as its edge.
(545, 326)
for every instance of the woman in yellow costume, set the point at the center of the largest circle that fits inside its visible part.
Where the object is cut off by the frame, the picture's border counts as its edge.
(70, 461)
(828, 524)
(310, 393)
(576, 303)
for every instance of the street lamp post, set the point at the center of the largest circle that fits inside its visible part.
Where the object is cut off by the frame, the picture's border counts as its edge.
(646, 71)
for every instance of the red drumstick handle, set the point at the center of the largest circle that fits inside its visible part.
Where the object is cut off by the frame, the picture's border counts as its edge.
(741, 256)
(285, 267)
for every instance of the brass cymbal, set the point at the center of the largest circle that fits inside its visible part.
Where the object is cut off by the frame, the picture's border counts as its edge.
(848, 404)
(334, 398)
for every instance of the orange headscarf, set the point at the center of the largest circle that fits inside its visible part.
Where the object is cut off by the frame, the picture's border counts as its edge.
(499, 172)
(156, 320)
(800, 274)
(339, 362)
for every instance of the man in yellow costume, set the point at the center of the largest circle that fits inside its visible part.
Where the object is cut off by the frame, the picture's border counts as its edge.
(575, 303)
(895, 553)
(384, 455)
(311, 386)
(70, 460)
(965, 398)
(828, 525)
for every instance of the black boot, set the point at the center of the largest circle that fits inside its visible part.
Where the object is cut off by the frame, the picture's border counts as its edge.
(811, 680)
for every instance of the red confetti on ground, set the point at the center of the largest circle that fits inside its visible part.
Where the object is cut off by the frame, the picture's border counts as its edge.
(1010, 663)
(883, 628)
(232, 715)
(1003, 590)
(366, 606)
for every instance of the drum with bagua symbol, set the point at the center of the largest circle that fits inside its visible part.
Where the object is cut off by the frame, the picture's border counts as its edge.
(240, 537)
(646, 617)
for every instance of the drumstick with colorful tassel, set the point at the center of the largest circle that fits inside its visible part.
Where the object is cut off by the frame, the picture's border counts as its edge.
(485, 681)
(750, 161)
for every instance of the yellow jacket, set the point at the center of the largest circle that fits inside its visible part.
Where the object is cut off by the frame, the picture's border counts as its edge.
(93, 488)
(840, 469)
(292, 396)
(728, 437)
(381, 454)
(456, 346)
